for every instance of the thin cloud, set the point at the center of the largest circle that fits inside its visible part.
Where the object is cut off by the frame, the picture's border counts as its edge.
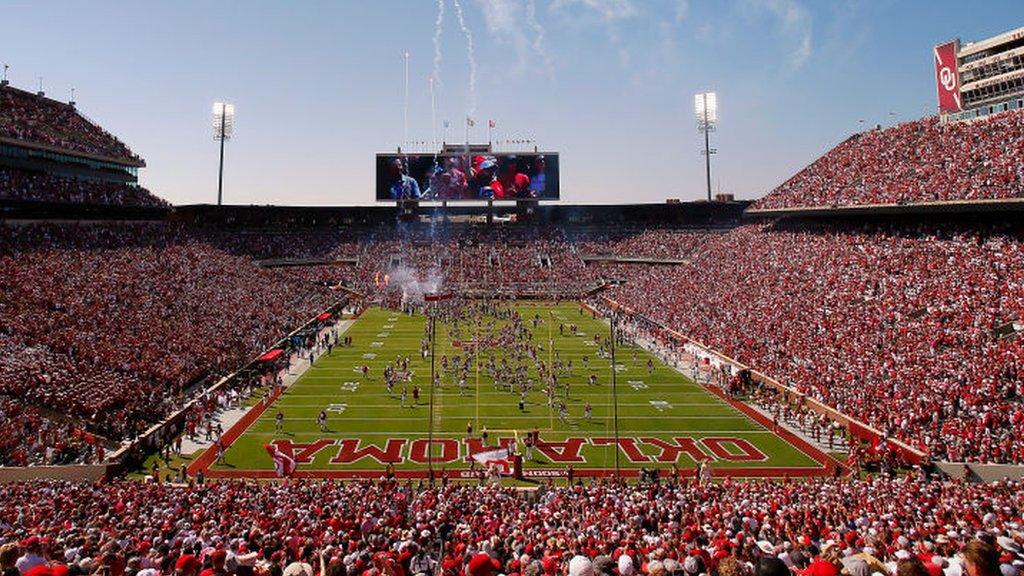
(609, 10)
(612, 12)
(682, 10)
(539, 48)
(508, 21)
(794, 22)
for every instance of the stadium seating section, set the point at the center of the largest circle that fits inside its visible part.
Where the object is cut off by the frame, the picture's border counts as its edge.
(911, 163)
(39, 187)
(31, 118)
(885, 526)
(108, 323)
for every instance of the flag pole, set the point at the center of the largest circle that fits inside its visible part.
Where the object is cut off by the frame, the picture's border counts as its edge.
(615, 396)
(433, 391)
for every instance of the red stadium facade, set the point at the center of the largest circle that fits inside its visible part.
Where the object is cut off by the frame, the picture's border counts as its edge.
(980, 78)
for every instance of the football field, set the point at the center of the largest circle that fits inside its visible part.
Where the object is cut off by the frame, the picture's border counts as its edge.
(664, 418)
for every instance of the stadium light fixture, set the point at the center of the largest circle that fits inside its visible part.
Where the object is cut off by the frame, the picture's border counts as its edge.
(223, 128)
(705, 108)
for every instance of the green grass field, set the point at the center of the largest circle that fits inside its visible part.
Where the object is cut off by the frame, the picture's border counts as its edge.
(653, 404)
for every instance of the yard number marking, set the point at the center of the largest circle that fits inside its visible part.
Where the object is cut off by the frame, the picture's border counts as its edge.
(660, 405)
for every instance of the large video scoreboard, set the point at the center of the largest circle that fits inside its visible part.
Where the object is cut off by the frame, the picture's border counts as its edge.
(473, 175)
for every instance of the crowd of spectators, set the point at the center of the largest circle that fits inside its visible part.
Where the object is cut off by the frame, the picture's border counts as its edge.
(644, 243)
(29, 437)
(909, 329)
(468, 257)
(37, 119)
(887, 526)
(913, 162)
(40, 187)
(111, 323)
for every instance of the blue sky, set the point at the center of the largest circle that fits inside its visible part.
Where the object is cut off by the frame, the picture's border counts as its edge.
(318, 86)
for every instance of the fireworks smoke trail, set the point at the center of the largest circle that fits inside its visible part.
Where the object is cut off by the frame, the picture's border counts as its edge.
(470, 54)
(438, 27)
(538, 37)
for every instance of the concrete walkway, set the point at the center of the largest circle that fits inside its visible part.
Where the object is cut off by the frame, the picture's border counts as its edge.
(229, 417)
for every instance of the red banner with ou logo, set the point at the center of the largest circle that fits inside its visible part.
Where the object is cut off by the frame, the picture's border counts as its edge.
(947, 78)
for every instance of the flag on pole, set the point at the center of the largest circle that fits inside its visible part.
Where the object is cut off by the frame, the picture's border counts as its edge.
(492, 124)
(495, 458)
(284, 465)
(470, 122)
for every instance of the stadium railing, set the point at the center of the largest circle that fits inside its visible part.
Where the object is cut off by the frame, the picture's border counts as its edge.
(857, 428)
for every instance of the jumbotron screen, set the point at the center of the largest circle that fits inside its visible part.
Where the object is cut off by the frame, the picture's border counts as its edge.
(532, 176)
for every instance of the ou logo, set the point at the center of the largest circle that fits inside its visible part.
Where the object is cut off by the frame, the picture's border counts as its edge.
(947, 79)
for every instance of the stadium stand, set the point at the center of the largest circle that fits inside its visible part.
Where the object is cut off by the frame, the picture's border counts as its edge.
(51, 153)
(866, 318)
(129, 315)
(888, 526)
(36, 119)
(923, 161)
(39, 187)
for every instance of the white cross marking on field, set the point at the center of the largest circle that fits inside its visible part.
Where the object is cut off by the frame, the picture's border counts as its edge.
(620, 368)
(393, 319)
(376, 344)
(589, 343)
(337, 407)
(350, 386)
(389, 326)
(637, 384)
(383, 334)
(369, 356)
(660, 405)
(357, 369)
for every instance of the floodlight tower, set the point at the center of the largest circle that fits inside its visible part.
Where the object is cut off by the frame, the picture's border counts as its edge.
(223, 127)
(705, 106)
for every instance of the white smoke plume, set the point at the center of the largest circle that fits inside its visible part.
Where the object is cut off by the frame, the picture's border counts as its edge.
(538, 38)
(413, 285)
(470, 54)
(438, 28)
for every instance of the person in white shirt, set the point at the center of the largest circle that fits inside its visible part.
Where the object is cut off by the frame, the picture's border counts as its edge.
(32, 557)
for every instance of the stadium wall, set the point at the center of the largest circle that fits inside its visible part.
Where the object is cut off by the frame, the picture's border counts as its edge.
(980, 472)
(87, 473)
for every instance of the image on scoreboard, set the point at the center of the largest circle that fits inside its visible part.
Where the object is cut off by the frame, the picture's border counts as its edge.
(530, 176)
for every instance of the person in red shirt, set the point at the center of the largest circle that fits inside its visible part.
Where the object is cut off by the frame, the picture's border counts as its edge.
(514, 183)
(484, 182)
